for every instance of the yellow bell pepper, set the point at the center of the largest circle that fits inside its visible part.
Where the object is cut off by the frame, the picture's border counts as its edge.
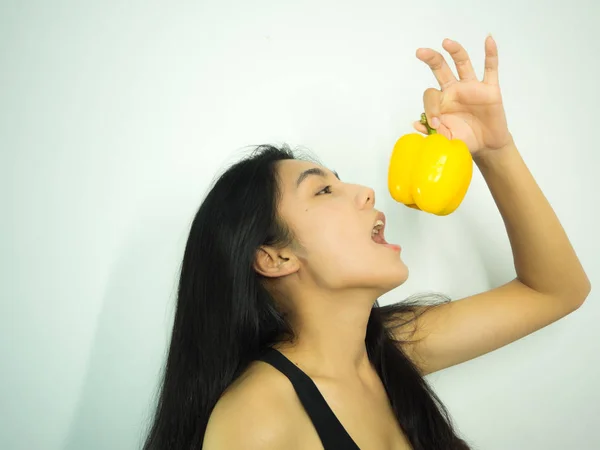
(430, 173)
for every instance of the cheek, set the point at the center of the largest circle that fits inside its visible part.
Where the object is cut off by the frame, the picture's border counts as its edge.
(342, 256)
(343, 259)
(335, 239)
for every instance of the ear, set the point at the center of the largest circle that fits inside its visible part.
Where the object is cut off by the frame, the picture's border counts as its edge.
(272, 262)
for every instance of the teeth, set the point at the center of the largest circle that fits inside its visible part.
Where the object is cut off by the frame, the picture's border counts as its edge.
(378, 226)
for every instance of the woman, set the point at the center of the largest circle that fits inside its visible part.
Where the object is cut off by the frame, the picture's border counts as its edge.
(278, 339)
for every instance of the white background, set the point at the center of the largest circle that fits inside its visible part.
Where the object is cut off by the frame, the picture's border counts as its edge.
(116, 116)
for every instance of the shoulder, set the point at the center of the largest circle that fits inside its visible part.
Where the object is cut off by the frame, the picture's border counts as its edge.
(256, 412)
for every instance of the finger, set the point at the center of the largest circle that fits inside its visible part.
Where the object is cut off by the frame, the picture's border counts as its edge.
(438, 66)
(490, 74)
(432, 99)
(420, 127)
(441, 130)
(461, 59)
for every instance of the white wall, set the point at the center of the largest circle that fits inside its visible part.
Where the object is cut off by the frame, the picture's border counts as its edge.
(116, 116)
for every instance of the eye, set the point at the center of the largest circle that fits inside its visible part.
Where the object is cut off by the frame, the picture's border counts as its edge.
(327, 188)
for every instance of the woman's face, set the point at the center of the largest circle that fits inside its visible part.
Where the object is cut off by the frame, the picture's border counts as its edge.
(333, 222)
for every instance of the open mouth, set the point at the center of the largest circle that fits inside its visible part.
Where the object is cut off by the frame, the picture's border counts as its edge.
(377, 232)
(378, 237)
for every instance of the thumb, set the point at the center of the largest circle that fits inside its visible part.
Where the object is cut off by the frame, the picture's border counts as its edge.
(432, 99)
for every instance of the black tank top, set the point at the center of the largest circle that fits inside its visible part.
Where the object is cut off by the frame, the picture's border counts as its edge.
(332, 433)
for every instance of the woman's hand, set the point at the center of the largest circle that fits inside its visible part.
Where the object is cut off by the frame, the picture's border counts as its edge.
(466, 109)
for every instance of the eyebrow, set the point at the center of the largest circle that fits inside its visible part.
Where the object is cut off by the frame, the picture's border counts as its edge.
(313, 171)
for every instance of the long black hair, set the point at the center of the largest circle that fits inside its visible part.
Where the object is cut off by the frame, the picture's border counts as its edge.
(225, 318)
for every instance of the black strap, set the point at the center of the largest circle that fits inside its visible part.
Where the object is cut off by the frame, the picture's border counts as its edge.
(332, 433)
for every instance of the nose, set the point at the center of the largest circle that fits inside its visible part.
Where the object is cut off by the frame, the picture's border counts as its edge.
(366, 197)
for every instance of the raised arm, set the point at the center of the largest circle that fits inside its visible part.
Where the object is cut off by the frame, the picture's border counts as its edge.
(550, 282)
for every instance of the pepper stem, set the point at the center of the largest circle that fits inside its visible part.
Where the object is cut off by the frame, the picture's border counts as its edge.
(424, 122)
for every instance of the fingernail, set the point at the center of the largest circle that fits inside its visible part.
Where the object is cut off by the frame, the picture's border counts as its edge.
(435, 122)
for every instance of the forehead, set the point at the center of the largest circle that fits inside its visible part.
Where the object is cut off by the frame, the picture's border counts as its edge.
(290, 171)
(295, 166)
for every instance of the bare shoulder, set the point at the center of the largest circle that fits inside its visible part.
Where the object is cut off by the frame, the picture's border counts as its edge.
(256, 412)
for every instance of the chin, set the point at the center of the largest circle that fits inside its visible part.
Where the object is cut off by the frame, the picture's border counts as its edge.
(396, 278)
(402, 279)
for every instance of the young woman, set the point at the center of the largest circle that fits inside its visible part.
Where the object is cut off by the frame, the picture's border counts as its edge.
(278, 339)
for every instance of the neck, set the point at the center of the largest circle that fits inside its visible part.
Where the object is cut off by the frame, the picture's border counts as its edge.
(330, 334)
